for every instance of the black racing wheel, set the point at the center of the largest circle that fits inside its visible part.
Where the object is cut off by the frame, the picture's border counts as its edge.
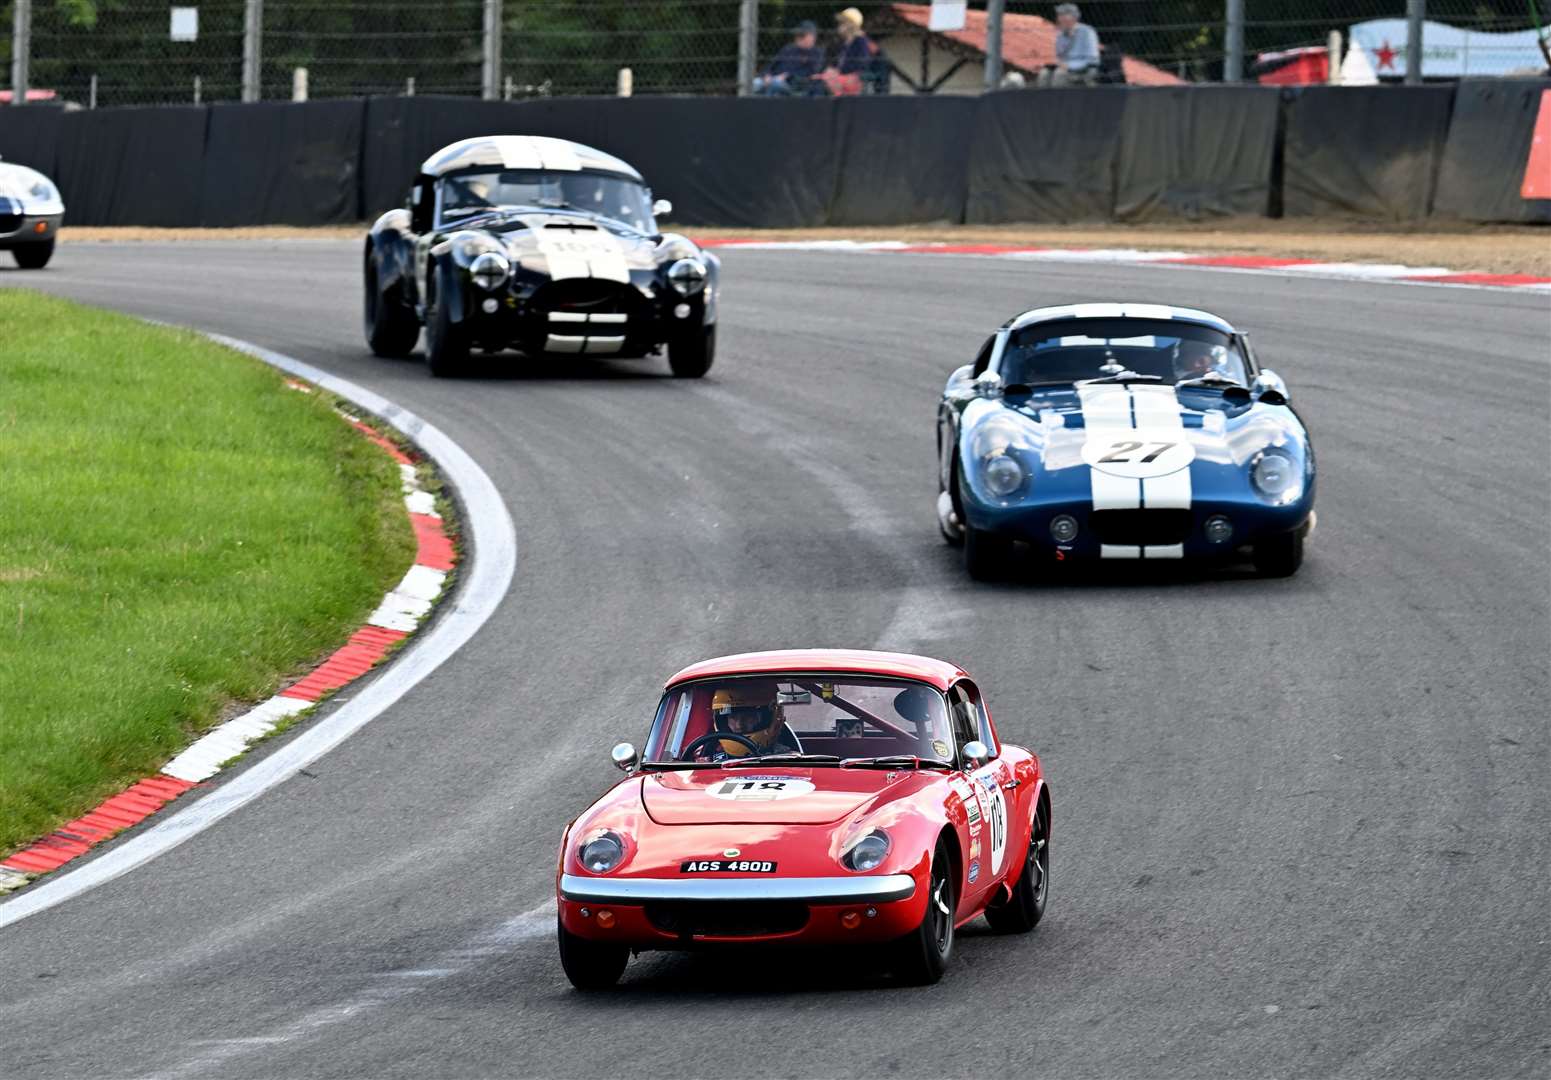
(718, 736)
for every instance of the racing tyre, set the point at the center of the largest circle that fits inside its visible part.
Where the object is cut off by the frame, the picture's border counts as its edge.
(1027, 906)
(591, 965)
(391, 328)
(922, 955)
(1279, 556)
(34, 256)
(986, 555)
(446, 342)
(690, 355)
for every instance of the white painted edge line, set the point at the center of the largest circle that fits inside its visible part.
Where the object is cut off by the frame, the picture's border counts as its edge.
(486, 573)
(1378, 273)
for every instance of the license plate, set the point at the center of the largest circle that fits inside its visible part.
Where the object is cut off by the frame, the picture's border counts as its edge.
(726, 866)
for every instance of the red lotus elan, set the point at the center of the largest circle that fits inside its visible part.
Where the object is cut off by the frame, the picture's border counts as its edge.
(822, 797)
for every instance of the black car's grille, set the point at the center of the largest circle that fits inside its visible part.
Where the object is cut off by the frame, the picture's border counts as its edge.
(9, 223)
(1140, 527)
(731, 918)
(588, 296)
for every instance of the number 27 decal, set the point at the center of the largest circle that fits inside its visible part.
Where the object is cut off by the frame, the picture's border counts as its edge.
(1120, 452)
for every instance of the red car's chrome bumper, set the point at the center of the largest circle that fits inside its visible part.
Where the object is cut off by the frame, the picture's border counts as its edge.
(670, 913)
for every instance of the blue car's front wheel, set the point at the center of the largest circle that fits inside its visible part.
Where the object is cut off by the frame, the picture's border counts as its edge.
(1279, 555)
(987, 556)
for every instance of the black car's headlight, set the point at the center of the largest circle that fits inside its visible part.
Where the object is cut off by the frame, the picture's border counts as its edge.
(490, 270)
(687, 276)
(866, 852)
(1276, 476)
(602, 853)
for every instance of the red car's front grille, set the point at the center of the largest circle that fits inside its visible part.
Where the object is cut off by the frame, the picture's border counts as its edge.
(730, 918)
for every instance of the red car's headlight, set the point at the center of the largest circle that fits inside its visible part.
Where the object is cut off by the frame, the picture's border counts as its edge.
(866, 852)
(602, 853)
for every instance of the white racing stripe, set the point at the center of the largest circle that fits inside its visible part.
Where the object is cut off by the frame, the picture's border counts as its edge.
(1111, 410)
(1107, 408)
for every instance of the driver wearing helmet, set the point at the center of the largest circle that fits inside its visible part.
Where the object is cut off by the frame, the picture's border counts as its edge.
(751, 709)
(1193, 359)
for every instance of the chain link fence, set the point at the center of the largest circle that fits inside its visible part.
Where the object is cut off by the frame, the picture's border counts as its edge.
(123, 52)
(1188, 37)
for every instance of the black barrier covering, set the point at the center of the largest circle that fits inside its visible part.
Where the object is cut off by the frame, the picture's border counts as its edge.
(132, 166)
(283, 164)
(1044, 155)
(753, 162)
(1033, 155)
(1196, 151)
(1488, 146)
(28, 136)
(901, 159)
(1369, 151)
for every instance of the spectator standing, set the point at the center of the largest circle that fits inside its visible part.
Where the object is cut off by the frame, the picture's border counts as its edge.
(1077, 51)
(795, 66)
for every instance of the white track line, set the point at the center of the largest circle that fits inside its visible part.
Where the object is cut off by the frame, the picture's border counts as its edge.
(485, 574)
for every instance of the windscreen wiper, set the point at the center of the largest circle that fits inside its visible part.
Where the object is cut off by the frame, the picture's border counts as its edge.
(897, 761)
(1212, 379)
(681, 764)
(782, 759)
(1119, 377)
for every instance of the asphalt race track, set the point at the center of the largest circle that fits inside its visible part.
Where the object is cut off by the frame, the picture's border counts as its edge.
(1301, 827)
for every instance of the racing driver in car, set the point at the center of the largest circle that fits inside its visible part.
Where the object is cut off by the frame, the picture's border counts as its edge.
(752, 709)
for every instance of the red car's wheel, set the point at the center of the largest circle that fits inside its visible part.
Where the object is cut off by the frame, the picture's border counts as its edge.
(922, 955)
(1027, 906)
(591, 965)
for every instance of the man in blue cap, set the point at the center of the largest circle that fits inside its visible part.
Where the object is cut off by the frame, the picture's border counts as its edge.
(793, 69)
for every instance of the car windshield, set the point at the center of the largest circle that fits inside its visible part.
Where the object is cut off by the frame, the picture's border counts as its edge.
(832, 717)
(1070, 350)
(617, 197)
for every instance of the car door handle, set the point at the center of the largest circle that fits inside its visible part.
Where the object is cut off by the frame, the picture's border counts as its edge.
(1011, 784)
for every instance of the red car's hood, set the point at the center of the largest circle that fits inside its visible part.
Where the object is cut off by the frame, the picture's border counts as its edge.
(759, 796)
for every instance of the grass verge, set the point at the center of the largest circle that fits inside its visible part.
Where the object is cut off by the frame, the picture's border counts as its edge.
(179, 532)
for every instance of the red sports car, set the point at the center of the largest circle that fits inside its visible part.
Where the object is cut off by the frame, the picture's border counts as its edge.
(822, 797)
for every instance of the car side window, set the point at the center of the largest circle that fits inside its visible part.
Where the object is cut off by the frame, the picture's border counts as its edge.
(976, 716)
(963, 715)
(983, 357)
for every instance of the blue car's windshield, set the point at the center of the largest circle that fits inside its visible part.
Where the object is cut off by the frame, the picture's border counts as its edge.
(618, 197)
(1069, 350)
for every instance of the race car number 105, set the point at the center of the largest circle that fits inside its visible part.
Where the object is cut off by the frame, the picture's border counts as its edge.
(726, 866)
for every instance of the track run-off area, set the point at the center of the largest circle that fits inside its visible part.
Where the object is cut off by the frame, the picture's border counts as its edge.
(1301, 827)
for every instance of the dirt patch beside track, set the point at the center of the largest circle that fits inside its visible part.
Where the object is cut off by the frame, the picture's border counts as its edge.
(1500, 249)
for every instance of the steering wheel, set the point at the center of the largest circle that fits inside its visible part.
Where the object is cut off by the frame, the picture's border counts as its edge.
(718, 736)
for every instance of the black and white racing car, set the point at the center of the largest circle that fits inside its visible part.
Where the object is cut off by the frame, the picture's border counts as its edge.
(540, 245)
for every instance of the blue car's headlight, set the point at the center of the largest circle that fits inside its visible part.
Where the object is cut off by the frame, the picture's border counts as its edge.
(1003, 475)
(1277, 477)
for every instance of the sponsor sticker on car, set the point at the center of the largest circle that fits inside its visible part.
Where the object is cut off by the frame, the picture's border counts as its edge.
(727, 866)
